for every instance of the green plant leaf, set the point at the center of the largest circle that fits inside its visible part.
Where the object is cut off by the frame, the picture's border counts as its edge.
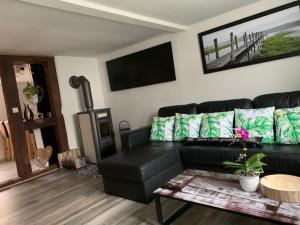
(252, 166)
(232, 164)
(255, 158)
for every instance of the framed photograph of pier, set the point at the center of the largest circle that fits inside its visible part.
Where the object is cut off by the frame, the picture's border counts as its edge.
(270, 35)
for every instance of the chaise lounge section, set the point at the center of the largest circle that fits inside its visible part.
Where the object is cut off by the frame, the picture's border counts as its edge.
(136, 173)
(143, 166)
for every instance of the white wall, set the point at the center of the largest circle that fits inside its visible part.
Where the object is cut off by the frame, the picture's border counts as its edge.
(3, 117)
(72, 101)
(138, 105)
(22, 80)
(3, 114)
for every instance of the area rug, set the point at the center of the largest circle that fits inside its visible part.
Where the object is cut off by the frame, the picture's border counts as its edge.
(89, 170)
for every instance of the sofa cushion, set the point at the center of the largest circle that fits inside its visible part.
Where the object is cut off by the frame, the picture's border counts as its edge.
(219, 124)
(141, 163)
(187, 126)
(287, 125)
(278, 100)
(162, 128)
(224, 106)
(258, 122)
(280, 158)
(171, 110)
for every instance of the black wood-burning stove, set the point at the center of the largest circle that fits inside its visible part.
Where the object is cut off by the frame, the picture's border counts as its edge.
(96, 128)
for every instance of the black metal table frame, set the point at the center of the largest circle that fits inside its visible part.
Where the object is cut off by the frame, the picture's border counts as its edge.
(188, 204)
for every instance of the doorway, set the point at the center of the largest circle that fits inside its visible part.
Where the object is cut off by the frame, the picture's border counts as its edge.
(33, 130)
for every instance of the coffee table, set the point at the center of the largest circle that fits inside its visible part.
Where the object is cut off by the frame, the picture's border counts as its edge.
(222, 191)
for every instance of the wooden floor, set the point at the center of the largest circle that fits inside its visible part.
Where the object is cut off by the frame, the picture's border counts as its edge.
(65, 197)
(8, 170)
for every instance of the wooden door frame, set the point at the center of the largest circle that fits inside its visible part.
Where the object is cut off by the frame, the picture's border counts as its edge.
(10, 92)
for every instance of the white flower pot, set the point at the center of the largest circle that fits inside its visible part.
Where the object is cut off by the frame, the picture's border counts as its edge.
(249, 183)
(35, 99)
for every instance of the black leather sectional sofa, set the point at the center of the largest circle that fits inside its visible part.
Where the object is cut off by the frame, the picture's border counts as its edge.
(142, 166)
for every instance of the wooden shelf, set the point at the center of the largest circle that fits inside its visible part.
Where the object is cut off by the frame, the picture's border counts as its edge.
(39, 123)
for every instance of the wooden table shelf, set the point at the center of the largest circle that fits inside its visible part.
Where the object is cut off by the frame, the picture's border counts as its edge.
(39, 123)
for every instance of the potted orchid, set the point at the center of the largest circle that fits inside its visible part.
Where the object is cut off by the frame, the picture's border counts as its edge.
(248, 169)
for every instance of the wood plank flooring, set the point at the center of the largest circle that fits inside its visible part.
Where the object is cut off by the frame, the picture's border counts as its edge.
(64, 197)
(8, 170)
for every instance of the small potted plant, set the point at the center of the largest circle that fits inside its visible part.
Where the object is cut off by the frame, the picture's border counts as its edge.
(31, 92)
(248, 169)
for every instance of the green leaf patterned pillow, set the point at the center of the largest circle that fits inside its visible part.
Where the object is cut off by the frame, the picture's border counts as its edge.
(186, 126)
(258, 122)
(162, 129)
(215, 125)
(287, 123)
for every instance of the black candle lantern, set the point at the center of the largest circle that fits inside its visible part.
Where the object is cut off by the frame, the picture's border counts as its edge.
(124, 126)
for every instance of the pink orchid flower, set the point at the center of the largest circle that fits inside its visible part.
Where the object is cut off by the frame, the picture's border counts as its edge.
(242, 133)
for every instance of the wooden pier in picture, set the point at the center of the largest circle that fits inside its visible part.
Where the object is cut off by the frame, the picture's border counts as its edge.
(237, 52)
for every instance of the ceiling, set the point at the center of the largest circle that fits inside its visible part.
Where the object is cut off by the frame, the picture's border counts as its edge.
(185, 12)
(94, 27)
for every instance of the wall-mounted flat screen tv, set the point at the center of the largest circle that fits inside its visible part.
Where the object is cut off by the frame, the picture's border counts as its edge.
(150, 66)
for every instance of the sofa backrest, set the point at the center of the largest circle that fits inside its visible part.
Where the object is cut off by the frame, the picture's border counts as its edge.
(171, 110)
(224, 106)
(279, 100)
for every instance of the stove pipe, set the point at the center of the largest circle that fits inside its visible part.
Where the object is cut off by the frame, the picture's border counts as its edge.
(76, 82)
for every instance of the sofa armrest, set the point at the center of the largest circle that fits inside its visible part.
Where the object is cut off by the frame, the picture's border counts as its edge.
(134, 138)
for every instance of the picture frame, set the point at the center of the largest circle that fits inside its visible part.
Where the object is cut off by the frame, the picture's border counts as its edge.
(270, 35)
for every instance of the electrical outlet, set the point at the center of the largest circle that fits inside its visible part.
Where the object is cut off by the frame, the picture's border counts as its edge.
(15, 109)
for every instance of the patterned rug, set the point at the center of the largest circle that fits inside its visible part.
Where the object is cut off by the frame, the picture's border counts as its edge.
(89, 170)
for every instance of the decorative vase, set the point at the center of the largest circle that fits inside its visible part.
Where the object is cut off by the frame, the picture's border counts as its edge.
(28, 113)
(249, 183)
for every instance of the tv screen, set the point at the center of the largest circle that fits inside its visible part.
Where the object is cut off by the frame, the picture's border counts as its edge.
(150, 66)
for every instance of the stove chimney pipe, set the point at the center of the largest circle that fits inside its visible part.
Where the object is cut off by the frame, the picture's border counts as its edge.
(76, 82)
